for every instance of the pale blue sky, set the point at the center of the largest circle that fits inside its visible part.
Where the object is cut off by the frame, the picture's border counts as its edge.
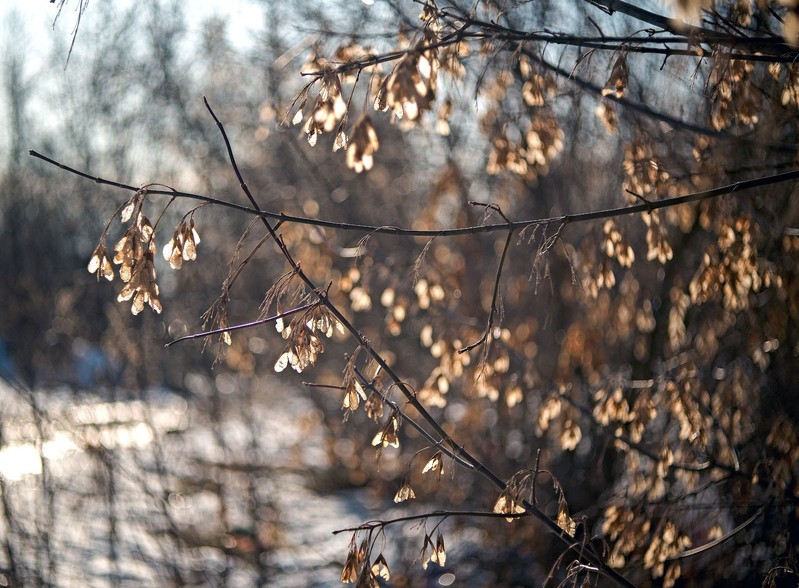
(29, 28)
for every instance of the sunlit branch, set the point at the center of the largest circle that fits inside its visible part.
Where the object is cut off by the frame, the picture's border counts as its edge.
(517, 43)
(517, 40)
(454, 448)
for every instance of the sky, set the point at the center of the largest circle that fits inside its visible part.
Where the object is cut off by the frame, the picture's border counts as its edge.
(40, 24)
(30, 27)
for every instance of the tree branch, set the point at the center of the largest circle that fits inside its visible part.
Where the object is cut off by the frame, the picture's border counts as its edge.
(573, 218)
(455, 448)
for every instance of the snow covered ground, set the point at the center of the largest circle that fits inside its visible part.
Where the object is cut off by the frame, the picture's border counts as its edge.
(157, 492)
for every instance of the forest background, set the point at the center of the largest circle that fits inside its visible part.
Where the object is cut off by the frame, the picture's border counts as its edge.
(549, 251)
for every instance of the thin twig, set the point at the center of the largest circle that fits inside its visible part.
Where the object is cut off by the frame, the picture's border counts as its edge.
(722, 539)
(444, 514)
(495, 295)
(268, 319)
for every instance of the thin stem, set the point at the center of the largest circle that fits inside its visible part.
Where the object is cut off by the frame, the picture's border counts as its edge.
(443, 514)
(244, 325)
(495, 295)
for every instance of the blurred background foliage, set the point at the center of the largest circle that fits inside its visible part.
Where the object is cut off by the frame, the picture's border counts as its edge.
(659, 392)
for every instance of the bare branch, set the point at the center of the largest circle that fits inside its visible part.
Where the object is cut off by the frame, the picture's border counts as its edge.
(573, 218)
(244, 325)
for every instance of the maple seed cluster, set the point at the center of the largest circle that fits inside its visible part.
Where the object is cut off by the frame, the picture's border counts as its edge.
(100, 265)
(433, 553)
(617, 83)
(354, 394)
(388, 433)
(406, 92)
(363, 145)
(410, 89)
(183, 245)
(615, 245)
(135, 254)
(328, 110)
(304, 336)
(357, 570)
(508, 505)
